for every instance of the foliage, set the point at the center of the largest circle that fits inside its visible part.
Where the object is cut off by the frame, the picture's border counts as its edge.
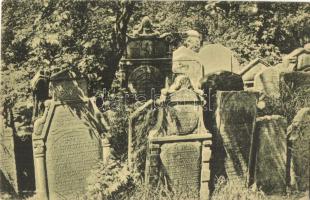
(111, 181)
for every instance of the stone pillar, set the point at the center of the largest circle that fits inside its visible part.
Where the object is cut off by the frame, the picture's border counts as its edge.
(205, 170)
(106, 150)
(40, 169)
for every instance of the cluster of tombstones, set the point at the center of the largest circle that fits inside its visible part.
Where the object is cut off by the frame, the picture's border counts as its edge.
(206, 123)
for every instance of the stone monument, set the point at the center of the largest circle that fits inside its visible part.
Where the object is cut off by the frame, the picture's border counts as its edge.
(66, 139)
(249, 71)
(216, 57)
(146, 63)
(179, 144)
(235, 119)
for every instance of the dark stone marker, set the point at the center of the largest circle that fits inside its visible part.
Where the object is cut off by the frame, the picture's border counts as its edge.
(299, 137)
(235, 120)
(270, 173)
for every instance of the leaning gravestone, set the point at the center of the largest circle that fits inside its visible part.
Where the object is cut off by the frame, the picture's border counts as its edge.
(270, 149)
(235, 119)
(248, 72)
(299, 59)
(268, 81)
(66, 140)
(299, 137)
(215, 57)
(179, 144)
(185, 61)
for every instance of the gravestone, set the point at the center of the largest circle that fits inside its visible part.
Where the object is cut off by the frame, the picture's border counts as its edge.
(299, 59)
(146, 63)
(66, 141)
(179, 144)
(271, 152)
(185, 62)
(235, 120)
(249, 71)
(216, 57)
(294, 81)
(268, 81)
(299, 137)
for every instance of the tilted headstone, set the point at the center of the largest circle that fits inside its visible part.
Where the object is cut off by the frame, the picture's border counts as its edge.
(185, 61)
(179, 144)
(235, 120)
(293, 81)
(66, 141)
(249, 71)
(216, 57)
(299, 59)
(268, 81)
(299, 137)
(271, 152)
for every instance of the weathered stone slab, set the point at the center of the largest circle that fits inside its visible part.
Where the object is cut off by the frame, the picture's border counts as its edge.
(181, 162)
(268, 81)
(294, 81)
(299, 59)
(185, 61)
(216, 57)
(299, 137)
(270, 173)
(235, 119)
(73, 149)
(179, 146)
(66, 140)
(249, 71)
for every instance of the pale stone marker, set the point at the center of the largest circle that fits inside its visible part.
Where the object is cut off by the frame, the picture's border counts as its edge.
(180, 148)
(66, 140)
(299, 59)
(235, 119)
(215, 57)
(185, 61)
(249, 71)
(268, 81)
(271, 152)
(299, 136)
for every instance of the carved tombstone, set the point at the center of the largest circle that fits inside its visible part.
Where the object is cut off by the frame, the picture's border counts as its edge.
(147, 59)
(185, 61)
(248, 72)
(216, 57)
(235, 120)
(66, 140)
(299, 137)
(179, 144)
(271, 152)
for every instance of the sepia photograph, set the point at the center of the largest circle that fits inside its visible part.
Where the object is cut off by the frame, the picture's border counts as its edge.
(154, 100)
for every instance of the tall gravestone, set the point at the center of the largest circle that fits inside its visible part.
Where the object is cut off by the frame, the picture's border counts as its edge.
(185, 61)
(271, 152)
(216, 57)
(249, 71)
(146, 63)
(66, 141)
(299, 137)
(235, 120)
(179, 145)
